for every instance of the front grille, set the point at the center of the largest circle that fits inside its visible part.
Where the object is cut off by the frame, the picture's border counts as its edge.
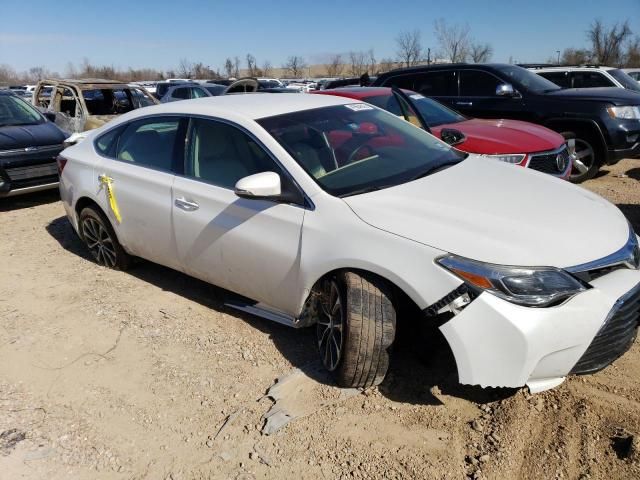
(17, 174)
(548, 163)
(615, 337)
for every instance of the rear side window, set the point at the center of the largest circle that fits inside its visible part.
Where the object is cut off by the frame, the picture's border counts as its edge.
(106, 143)
(475, 83)
(198, 93)
(181, 93)
(559, 78)
(429, 84)
(150, 142)
(590, 79)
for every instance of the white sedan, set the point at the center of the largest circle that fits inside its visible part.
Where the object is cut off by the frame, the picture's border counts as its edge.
(320, 210)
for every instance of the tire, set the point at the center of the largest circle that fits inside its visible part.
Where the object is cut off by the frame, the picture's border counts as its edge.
(585, 154)
(98, 235)
(355, 329)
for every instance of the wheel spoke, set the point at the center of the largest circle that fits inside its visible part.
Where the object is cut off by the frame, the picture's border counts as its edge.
(583, 153)
(327, 354)
(582, 168)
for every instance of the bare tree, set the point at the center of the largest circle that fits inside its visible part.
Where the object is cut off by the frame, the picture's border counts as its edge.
(632, 55)
(251, 65)
(295, 66)
(228, 67)
(607, 43)
(371, 61)
(357, 63)
(236, 67)
(385, 65)
(335, 66)
(573, 56)
(266, 68)
(409, 48)
(185, 68)
(454, 40)
(480, 52)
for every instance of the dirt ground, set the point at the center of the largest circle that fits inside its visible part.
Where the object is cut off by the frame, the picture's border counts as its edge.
(145, 374)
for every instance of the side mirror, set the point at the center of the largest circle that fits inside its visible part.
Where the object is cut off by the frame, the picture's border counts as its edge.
(259, 185)
(452, 136)
(51, 116)
(506, 90)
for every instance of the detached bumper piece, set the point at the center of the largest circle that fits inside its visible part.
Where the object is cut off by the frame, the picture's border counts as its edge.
(615, 337)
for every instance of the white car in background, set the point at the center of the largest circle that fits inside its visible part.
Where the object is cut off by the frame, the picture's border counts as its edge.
(633, 73)
(321, 210)
(587, 76)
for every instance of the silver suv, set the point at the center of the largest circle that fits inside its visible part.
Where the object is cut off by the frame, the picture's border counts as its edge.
(585, 76)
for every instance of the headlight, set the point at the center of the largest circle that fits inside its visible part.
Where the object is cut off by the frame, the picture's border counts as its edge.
(529, 286)
(626, 113)
(510, 158)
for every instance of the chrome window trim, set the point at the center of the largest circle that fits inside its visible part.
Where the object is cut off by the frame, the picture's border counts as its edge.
(628, 255)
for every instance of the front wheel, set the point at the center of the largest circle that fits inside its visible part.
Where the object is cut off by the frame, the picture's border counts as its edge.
(584, 158)
(355, 328)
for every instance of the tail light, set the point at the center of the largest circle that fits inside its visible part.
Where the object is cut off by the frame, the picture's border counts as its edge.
(62, 162)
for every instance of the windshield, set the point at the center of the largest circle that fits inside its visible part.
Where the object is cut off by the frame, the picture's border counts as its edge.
(529, 80)
(432, 112)
(625, 80)
(14, 111)
(355, 148)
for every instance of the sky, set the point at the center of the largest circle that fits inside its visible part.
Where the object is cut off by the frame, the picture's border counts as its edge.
(158, 34)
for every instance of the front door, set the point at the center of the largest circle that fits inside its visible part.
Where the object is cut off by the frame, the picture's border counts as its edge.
(478, 97)
(250, 247)
(141, 177)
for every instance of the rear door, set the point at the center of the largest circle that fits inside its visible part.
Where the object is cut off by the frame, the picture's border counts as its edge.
(144, 155)
(478, 97)
(250, 247)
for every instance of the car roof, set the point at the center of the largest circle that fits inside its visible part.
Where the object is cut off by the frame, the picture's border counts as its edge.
(86, 82)
(249, 105)
(356, 92)
(574, 67)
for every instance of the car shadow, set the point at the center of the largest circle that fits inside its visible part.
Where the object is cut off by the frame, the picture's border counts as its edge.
(633, 173)
(29, 200)
(421, 358)
(632, 212)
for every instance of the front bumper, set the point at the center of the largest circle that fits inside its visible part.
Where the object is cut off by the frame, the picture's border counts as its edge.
(499, 344)
(28, 170)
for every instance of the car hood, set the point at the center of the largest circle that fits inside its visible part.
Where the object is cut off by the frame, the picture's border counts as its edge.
(618, 96)
(23, 136)
(495, 212)
(503, 136)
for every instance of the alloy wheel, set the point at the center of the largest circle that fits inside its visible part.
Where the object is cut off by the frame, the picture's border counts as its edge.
(330, 325)
(99, 242)
(582, 157)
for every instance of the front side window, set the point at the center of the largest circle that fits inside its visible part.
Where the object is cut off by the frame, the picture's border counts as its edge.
(525, 79)
(354, 148)
(221, 154)
(590, 79)
(149, 142)
(14, 111)
(475, 83)
(198, 93)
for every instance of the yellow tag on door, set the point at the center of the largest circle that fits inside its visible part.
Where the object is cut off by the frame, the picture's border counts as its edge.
(113, 203)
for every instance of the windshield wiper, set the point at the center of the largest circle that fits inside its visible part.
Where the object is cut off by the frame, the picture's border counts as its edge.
(366, 190)
(434, 169)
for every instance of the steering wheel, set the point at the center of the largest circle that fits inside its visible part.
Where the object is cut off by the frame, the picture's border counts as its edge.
(357, 154)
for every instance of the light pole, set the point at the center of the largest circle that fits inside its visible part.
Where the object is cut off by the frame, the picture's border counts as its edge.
(558, 52)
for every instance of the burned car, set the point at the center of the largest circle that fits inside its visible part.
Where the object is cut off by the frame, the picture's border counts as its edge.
(81, 105)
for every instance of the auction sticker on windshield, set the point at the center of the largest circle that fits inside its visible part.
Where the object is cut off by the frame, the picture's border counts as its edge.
(357, 107)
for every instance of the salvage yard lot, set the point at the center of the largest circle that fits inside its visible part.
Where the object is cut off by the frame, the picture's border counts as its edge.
(144, 374)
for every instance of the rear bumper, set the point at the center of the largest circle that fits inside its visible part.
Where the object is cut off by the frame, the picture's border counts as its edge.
(499, 344)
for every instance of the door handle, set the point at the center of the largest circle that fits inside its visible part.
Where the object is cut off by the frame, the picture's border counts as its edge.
(465, 104)
(186, 205)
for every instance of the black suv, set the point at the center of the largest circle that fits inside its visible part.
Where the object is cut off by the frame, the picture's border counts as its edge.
(603, 124)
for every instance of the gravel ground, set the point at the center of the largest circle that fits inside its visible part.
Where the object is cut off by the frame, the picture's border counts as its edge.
(146, 374)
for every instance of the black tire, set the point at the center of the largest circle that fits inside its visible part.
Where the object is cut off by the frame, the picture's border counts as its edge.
(586, 155)
(354, 335)
(98, 235)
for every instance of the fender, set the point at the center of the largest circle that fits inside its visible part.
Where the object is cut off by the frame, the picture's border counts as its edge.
(567, 122)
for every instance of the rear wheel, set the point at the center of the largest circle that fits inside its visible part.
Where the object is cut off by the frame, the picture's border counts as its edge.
(355, 328)
(100, 238)
(584, 153)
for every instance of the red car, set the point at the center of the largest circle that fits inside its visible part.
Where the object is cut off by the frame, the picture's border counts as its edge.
(512, 141)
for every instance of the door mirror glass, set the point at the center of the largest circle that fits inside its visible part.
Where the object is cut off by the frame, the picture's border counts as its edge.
(452, 136)
(505, 90)
(259, 185)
